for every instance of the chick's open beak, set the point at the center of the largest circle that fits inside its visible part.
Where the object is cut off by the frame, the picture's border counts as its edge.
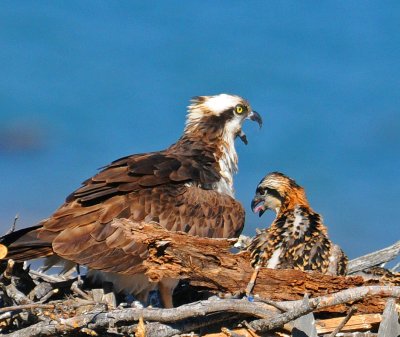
(257, 205)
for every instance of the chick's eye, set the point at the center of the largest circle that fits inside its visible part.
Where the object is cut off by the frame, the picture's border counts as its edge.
(260, 190)
(239, 109)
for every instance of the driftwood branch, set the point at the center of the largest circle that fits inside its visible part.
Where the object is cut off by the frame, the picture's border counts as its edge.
(277, 321)
(390, 320)
(374, 259)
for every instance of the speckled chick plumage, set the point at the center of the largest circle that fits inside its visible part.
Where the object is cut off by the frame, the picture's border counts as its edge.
(297, 238)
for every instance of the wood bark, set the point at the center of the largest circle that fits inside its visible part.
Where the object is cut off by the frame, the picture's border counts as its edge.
(210, 263)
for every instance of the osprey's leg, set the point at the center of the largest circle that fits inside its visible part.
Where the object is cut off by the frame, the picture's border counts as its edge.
(166, 288)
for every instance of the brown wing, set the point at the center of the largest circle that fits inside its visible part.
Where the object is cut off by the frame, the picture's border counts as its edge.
(24, 245)
(86, 235)
(156, 187)
(130, 174)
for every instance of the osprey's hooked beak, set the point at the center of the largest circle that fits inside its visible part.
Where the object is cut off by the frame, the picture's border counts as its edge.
(257, 204)
(254, 116)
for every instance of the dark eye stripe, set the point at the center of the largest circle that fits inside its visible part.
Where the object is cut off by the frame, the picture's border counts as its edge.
(260, 190)
(266, 190)
(273, 192)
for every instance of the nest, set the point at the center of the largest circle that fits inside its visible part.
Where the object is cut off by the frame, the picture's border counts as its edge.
(211, 297)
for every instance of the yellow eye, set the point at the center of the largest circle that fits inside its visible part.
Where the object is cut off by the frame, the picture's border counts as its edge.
(239, 108)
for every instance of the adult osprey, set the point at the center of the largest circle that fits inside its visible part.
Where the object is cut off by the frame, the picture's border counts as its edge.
(297, 239)
(187, 187)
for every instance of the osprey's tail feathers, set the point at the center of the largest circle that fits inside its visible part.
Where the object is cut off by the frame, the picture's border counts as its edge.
(23, 245)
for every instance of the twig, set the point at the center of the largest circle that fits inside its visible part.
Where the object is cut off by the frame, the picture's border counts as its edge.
(350, 313)
(230, 333)
(270, 302)
(27, 307)
(264, 325)
(395, 268)
(249, 328)
(346, 296)
(45, 277)
(6, 315)
(12, 228)
(78, 291)
(17, 296)
(48, 295)
(89, 332)
(9, 269)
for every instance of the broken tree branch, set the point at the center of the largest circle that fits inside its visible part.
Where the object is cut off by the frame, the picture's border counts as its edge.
(374, 259)
(209, 263)
(277, 321)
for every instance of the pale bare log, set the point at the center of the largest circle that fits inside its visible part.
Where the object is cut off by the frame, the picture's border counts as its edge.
(374, 259)
(348, 296)
(390, 321)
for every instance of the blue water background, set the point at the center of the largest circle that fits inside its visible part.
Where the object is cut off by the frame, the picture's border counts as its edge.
(85, 82)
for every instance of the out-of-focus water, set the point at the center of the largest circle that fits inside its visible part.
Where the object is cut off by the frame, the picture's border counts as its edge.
(83, 83)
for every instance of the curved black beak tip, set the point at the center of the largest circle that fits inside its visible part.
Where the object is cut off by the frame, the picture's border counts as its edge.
(255, 116)
(254, 203)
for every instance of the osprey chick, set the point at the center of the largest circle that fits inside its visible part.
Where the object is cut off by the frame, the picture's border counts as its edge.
(187, 187)
(297, 239)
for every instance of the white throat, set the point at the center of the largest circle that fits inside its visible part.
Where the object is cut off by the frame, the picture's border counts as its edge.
(228, 164)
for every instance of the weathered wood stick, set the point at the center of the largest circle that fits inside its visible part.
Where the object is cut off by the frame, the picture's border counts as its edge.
(341, 325)
(374, 259)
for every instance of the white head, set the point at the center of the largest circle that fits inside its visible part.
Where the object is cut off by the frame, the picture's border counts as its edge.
(220, 114)
(217, 120)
